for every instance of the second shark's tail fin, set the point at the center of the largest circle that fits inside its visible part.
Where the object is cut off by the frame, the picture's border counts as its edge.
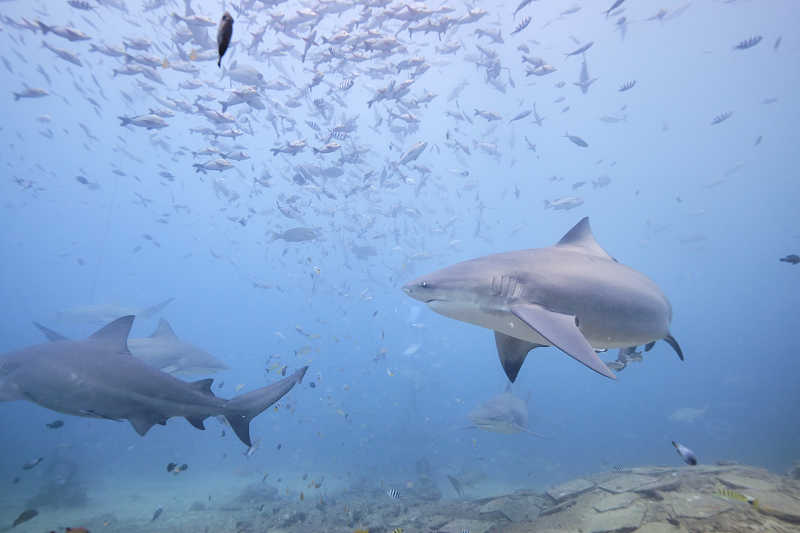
(244, 408)
(152, 311)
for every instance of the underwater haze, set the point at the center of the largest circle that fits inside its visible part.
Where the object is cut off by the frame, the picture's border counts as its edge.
(264, 215)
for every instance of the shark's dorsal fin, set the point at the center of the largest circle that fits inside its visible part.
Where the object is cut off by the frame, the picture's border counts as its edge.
(51, 335)
(203, 385)
(115, 333)
(163, 330)
(580, 236)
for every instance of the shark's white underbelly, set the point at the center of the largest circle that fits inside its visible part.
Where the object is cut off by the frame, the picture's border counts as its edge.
(506, 322)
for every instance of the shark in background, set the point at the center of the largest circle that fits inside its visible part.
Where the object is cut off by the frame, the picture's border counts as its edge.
(98, 377)
(503, 413)
(99, 314)
(163, 350)
(572, 295)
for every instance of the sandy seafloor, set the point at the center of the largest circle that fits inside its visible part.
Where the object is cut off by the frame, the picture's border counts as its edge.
(645, 499)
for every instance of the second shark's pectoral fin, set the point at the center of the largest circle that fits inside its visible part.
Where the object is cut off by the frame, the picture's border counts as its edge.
(675, 346)
(561, 331)
(512, 352)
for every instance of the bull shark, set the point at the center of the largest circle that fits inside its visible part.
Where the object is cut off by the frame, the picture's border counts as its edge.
(163, 350)
(100, 314)
(504, 413)
(98, 377)
(572, 295)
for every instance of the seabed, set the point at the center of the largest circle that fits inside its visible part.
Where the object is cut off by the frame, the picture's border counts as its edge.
(642, 500)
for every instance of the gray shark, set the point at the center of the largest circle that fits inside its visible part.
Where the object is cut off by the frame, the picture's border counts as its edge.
(163, 350)
(504, 413)
(98, 377)
(571, 295)
(100, 314)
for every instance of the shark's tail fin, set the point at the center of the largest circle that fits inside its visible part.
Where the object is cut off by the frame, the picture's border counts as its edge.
(152, 311)
(242, 409)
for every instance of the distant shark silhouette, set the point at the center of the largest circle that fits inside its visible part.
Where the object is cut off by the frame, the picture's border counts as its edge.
(99, 314)
(163, 350)
(572, 295)
(98, 377)
(504, 413)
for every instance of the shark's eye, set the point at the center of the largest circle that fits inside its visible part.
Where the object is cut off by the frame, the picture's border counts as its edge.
(423, 284)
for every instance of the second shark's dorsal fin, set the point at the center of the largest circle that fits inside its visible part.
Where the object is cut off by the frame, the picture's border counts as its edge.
(203, 385)
(52, 336)
(163, 330)
(115, 333)
(580, 236)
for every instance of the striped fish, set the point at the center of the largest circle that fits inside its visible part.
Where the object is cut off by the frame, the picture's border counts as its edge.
(393, 494)
(346, 84)
(733, 495)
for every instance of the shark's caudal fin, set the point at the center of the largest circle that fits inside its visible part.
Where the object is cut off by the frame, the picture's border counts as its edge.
(675, 346)
(149, 312)
(242, 409)
(561, 331)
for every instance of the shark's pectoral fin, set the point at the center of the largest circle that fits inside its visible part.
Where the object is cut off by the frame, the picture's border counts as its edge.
(649, 346)
(561, 331)
(512, 352)
(196, 421)
(675, 346)
(141, 424)
(169, 369)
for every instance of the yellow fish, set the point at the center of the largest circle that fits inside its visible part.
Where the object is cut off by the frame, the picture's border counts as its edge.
(361, 531)
(397, 530)
(733, 495)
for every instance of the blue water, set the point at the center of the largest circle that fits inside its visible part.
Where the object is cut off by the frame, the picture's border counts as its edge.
(712, 247)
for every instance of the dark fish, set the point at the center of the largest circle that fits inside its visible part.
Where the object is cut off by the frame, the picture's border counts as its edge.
(312, 385)
(157, 514)
(722, 117)
(521, 26)
(777, 43)
(55, 424)
(627, 86)
(748, 43)
(576, 140)
(224, 33)
(791, 258)
(521, 6)
(686, 454)
(25, 516)
(31, 464)
(15, 480)
(580, 50)
(614, 6)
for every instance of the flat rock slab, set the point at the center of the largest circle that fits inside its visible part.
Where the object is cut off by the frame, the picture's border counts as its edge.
(738, 481)
(664, 484)
(612, 502)
(570, 489)
(778, 505)
(514, 508)
(627, 482)
(698, 505)
(462, 524)
(660, 527)
(625, 519)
